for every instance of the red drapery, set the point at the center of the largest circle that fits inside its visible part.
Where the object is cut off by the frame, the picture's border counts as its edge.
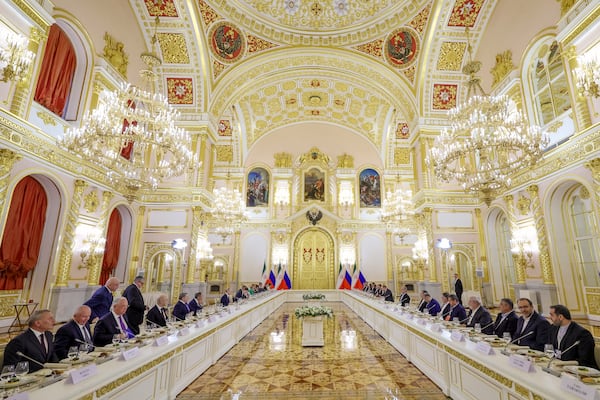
(23, 232)
(58, 68)
(128, 148)
(112, 247)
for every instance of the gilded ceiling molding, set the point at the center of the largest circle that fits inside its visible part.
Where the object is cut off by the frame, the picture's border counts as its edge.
(504, 65)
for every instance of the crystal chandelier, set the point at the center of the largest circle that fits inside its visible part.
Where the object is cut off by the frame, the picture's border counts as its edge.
(228, 210)
(588, 75)
(15, 58)
(204, 250)
(488, 140)
(133, 134)
(397, 206)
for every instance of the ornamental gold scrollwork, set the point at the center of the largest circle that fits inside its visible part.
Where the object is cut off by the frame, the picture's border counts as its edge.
(224, 153)
(523, 204)
(91, 202)
(345, 161)
(540, 227)
(593, 301)
(283, 160)
(7, 301)
(451, 56)
(114, 53)
(504, 65)
(173, 47)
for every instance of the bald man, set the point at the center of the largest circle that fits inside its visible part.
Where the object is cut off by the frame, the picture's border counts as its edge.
(74, 333)
(102, 299)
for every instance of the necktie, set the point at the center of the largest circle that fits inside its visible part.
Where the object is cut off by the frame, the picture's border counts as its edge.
(122, 323)
(164, 313)
(86, 335)
(43, 345)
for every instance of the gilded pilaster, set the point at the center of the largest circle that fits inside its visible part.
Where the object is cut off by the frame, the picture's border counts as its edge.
(66, 251)
(581, 110)
(236, 260)
(428, 225)
(8, 158)
(482, 246)
(20, 100)
(197, 223)
(390, 260)
(425, 143)
(512, 220)
(94, 270)
(594, 166)
(540, 227)
(201, 161)
(137, 241)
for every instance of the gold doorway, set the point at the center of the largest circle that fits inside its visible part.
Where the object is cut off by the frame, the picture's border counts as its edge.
(314, 259)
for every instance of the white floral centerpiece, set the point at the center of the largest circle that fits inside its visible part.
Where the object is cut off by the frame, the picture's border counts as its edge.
(313, 311)
(313, 296)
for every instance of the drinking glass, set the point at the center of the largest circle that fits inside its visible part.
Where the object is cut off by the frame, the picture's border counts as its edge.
(455, 321)
(22, 368)
(116, 339)
(549, 350)
(477, 328)
(84, 348)
(8, 372)
(73, 352)
(506, 337)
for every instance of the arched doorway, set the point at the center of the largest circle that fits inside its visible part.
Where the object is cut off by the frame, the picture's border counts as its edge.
(314, 258)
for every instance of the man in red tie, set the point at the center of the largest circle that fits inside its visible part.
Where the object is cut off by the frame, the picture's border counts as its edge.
(113, 323)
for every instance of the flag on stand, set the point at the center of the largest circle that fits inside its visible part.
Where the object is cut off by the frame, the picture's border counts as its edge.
(271, 279)
(347, 280)
(354, 274)
(285, 283)
(340, 278)
(360, 281)
(344, 279)
(279, 276)
(265, 274)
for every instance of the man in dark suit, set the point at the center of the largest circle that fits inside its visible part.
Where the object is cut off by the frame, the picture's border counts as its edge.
(531, 321)
(404, 297)
(458, 288)
(387, 293)
(226, 298)
(74, 332)
(102, 299)
(433, 306)
(479, 315)
(423, 303)
(564, 333)
(136, 309)
(35, 342)
(457, 311)
(445, 305)
(113, 323)
(158, 315)
(196, 304)
(506, 321)
(181, 309)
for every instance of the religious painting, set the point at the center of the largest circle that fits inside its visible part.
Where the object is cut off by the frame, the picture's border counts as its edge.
(370, 188)
(314, 185)
(227, 42)
(257, 194)
(401, 47)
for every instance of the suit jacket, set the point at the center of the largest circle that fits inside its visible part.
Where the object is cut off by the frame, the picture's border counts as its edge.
(65, 338)
(458, 311)
(155, 316)
(106, 328)
(136, 309)
(422, 305)
(404, 299)
(194, 306)
(225, 300)
(539, 326)
(583, 352)
(483, 318)
(433, 307)
(508, 325)
(29, 344)
(180, 310)
(446, 309)
(458, 288)
(389, 296)
(100, 302)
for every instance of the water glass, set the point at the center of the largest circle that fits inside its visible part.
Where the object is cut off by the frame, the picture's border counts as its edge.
(549, 350)
(22, 368)
(477, 328)
(116, 339)
(8, 372)
(455, 321)
(506, 337)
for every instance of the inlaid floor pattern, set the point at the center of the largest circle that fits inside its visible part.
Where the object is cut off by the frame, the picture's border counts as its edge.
(355, 363)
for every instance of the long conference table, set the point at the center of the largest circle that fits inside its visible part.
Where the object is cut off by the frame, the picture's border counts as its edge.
(163, 371)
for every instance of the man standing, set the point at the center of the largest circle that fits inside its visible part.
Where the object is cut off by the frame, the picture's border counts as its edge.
(458, 288)
(102, 299)
(479, 315)
(74, 332)
(181, 309)
(196, 304)
(113, 323)
(35, 342)
(506, 321)
(158, 315)
(136, 309)
(532, 327)
(404, 297)
(564, 333)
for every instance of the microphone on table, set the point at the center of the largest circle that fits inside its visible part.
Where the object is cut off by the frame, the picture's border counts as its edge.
(152, 322)
(515, 340)
(487, 326)
(20, 354)
(551, 371)
(463, 320)
(89, 345)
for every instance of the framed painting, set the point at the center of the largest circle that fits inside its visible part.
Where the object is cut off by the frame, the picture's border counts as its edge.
(314, 185)
(257, 194)
(370, 188)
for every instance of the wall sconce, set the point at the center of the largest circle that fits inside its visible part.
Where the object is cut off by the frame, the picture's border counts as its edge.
(92, 246)
(401, 232)
(280, 256)
(346, 195)
(523, 245)
(347, 256)
(14, 56)
(282, 193)
(587, 75)
(420, 252)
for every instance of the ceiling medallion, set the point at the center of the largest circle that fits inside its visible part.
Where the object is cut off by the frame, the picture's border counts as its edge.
(401, 47)
(227, 42)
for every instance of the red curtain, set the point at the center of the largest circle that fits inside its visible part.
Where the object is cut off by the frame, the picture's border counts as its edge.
(22, 239)
(112, 247)
(58, 68)
(128, 148)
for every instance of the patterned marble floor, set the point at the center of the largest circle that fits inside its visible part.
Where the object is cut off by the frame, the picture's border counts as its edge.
(355, 363)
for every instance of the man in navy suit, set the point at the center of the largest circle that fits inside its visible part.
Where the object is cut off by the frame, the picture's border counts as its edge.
(136, 309)
(35, 342)
(113, 323)
(456, 309)
(181, 309)
(446, 305)
(196, 304)
(226, 298)
(102, 299)
(506, 321)
(386, 293)
(74, 333)
(433, 306)
(479, 315)
(158, 315)
(533, 325)
(564, 333)
(404, 297)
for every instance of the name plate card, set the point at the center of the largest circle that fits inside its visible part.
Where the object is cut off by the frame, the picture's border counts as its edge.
(436, 327)
(184, 331)
(422, 321)
(19, 396)
(82, 374)
(200, 324)
(577, 388)
(131, 353)
(521, 362)
(409, 316)
(161, 341)
(212, 318)
(457, 336)
(484, 348)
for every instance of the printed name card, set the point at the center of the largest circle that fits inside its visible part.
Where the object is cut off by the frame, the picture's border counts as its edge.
(484, 348)
(82, 374)
(184, 331)
(457, 336)
(212, 318)
(436, 327)
(409, 316)
(422, 321)
(577, 388)
(521, 362)
(200, 324)
(19, 396)
(161, 340)
(131, 353)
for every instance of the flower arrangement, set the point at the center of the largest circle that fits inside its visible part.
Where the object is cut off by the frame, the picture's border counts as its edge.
(313, 296)
(313, 311)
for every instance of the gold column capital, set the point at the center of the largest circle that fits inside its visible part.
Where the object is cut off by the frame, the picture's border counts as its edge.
(540, 227)
(594, 166)
(533, 190)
